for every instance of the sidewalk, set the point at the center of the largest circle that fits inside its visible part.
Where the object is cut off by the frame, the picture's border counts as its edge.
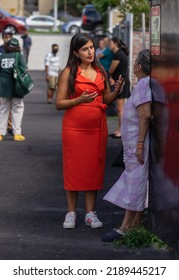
(33, 202)
(41, 45)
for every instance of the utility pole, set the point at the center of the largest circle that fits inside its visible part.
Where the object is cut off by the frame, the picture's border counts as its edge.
(55, 28)
(65, 7)
(130, 17)
(143, 30)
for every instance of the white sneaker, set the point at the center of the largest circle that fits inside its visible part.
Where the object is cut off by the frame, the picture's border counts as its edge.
(70, 220)
(92, 220)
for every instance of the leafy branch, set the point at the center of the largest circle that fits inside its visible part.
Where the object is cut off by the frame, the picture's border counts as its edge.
(140, 238)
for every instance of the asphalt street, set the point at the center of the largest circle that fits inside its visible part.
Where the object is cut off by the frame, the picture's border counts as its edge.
(33, 202)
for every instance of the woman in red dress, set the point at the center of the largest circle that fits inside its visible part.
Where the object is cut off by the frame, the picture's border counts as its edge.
(83, 91)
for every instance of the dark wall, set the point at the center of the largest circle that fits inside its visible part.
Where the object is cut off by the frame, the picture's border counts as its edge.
(164, 148)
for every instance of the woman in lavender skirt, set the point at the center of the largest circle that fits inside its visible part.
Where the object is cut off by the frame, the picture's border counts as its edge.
(129, 192)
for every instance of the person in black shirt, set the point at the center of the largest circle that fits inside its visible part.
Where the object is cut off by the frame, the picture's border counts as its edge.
(119, 66)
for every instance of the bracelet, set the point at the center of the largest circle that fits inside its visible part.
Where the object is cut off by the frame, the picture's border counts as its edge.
(73, 101)
(140, 141)
(140, 147)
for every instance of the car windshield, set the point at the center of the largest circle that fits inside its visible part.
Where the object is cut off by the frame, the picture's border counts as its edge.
(90, 13)
(5, 13)
(42, 19)
(37, 19)
(48, 19)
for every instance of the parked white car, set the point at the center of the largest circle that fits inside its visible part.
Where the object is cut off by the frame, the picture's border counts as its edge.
(42, 22)
(73, 26)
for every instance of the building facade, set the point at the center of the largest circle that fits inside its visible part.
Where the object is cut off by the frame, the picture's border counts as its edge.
(27, 7)
(15, 7)
(114, 17)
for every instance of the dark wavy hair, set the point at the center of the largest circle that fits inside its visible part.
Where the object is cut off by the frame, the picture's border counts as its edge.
(77, 42)
(143, 58)
(8, 49)
(121, 45)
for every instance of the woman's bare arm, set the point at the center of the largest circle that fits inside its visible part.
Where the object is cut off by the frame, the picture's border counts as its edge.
(144, 113)
(113, 66)
(108, 96)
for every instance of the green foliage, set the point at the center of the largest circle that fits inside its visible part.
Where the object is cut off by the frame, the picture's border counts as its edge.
(73, 7)
(140, 238)
(102, 5)
(136, 7)
(158, 243)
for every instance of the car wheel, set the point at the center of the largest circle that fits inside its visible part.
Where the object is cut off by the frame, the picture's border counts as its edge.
(98, 30)
(12, 28)
(74, 29)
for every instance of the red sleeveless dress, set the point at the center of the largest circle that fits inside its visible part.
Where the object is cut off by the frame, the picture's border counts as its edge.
(84, 138)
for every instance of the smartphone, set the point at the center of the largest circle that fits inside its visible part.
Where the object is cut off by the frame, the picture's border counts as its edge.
(123, 83)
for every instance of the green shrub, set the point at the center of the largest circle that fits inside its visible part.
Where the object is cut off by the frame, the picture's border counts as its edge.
(140, 238)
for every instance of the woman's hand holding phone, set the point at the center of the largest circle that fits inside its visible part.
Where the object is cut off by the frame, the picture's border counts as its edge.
(87, 97)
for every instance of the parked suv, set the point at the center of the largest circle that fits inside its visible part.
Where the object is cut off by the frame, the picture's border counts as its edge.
(91, 19)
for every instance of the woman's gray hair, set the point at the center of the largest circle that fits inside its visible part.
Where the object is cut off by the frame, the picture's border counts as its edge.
(143, 59)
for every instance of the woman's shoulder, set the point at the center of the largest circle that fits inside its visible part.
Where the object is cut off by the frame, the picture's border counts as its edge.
(65, 73)
(142, 87)
(144, 82)
(123, 54)
(66, 69)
